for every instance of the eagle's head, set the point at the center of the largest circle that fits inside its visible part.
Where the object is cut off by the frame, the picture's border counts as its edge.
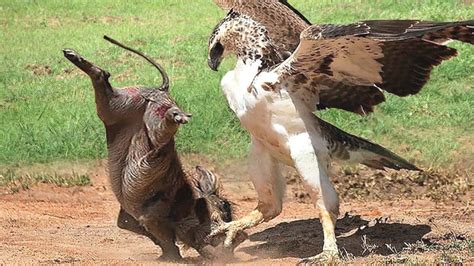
(240, 35)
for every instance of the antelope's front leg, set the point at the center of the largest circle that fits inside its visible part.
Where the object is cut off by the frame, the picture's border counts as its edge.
(270, 185)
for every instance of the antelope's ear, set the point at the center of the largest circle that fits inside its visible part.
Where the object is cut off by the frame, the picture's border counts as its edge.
(206, 182)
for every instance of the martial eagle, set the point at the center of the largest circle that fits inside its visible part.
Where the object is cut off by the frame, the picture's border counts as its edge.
(287, 69)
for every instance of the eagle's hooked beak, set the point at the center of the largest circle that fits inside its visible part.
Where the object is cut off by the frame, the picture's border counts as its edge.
(215, 56)
(213, 64)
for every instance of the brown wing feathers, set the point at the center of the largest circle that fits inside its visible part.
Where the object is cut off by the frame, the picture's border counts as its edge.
(409, 55)
(432, 31)
(395, 30)
(282, 21)
(407, 65)
(410, 50)
(406, 69)
(298, 13)
(357, 99)
(225, 4)
(229, 4)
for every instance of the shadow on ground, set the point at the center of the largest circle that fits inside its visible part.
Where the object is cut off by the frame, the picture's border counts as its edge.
(303, 238)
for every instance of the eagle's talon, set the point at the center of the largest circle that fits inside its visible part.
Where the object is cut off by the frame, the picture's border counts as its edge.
(234, 234)
(326, 257)
(217, 231)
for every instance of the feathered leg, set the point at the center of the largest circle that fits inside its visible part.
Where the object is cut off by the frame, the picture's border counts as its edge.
(270, 185)
(314, 172)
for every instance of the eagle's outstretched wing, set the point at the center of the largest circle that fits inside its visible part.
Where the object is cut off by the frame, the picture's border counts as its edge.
(348, 66)
(241, 5)
(283, 22)
(226, 4)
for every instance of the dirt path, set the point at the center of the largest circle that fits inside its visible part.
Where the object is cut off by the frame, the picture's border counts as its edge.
(48, 224)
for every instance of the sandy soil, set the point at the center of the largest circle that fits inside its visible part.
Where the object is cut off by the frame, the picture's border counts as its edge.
(49, 224)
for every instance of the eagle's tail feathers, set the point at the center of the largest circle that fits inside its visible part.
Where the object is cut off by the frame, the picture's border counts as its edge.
(347, 147)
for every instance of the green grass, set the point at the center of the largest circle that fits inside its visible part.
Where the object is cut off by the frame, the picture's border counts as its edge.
(50, 115)
(17, 181)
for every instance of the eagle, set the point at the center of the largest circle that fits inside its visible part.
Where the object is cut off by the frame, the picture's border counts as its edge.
(287, 69)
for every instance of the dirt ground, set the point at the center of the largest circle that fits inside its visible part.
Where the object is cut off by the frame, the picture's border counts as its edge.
(390, 224)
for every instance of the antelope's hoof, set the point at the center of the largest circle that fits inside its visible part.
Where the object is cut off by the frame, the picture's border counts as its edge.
(71, 55)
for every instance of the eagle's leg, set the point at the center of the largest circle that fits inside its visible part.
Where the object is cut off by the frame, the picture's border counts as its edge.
(313, 169)
(270, 185)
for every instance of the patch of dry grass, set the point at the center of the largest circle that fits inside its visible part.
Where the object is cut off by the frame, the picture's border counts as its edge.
(15, 181)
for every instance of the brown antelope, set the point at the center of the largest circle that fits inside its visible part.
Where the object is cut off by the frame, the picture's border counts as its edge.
(158, 198)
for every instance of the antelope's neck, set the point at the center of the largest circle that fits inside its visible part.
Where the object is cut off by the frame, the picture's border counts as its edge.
(137, 172)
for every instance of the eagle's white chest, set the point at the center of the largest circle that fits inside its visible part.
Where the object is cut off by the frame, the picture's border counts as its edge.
(270, 118)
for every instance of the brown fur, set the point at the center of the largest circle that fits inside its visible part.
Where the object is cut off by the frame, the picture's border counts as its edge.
(157, 198)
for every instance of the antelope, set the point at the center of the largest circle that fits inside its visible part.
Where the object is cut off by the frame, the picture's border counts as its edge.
(157, 197)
